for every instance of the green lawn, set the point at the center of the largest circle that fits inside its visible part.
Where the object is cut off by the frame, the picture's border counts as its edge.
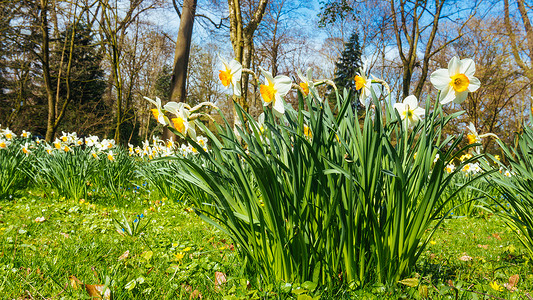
(177, 253)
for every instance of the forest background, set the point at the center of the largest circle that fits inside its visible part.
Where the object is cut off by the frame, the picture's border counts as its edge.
(85, 65)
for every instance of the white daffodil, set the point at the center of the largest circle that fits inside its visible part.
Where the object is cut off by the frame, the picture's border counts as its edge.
(473, 137)
(450, 168)
(158, 113)
(26, 134)
(181, 121)
(363, 83)
(409, 111)
(26, 148)
(274, 90)
(111, 155)
(307, 81)
(455, 82)
(231, 75)
(4, 143)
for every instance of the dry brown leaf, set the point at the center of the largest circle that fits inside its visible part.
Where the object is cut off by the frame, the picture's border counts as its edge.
(96, 291)
(187, 287)
(483, 246)
(465, 258)
(124, 255)
(496, 236)
(196, 295)
(513, 280)
(74, 282)
(220, 278)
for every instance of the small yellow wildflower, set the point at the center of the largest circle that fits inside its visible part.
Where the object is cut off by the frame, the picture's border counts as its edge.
(179, 256)
(495, 286)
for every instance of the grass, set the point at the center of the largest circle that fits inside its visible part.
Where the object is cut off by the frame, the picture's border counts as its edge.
(177, 253)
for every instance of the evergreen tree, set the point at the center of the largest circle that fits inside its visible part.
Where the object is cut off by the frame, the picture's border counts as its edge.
(348, 65)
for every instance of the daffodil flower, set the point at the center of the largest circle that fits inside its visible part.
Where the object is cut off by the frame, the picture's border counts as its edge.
(307, 82)
(274, 90)
(457, 81)
(231, 75)
(409, 111)
(363, 84)
(158, 112)
(26, 148)
(450, 168)
(473, 137)
(181, 121)
(111, 155)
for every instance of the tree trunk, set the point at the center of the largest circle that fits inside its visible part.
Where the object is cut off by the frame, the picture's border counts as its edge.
(45, 58)
(242, 42)
(178, 84)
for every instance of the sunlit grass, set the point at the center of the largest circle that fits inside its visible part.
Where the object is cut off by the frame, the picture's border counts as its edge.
(178, 253)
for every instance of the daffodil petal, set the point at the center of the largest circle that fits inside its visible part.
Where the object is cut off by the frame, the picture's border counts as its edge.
(447, 95)
(460, 97)
(302, 78)
(278, 104)
(454, 66)
(411, 101)
(400, 107)
(467, 67)
(419, 112)
(282, 85)
(440, 79)
(474, 84)
(237, 89)
(268, 76)
(309, 74)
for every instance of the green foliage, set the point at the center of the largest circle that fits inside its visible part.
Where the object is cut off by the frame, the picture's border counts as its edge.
(516, 202)
(331, 10)
(15, 170)
(115, 175)
(135, 229)
(161, 174)
(344, 199)
(69, 173)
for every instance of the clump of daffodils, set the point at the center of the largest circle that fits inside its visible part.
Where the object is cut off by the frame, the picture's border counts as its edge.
(184, 115)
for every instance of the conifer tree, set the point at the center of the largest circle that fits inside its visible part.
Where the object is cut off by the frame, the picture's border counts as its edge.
(348, 65)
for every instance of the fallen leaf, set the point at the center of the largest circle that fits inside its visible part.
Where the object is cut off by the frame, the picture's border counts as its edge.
(124, 255)
(483, 246)
(196, 295)
(96, 291)
(40, 219)
(66, 235)
(496, 236)
(513, 280)
(220, 278)
(465, 258)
